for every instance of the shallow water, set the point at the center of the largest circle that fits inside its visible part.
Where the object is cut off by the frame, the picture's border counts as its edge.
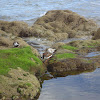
(85, 86)
(39, 43)
(92, 54)
(30, 10)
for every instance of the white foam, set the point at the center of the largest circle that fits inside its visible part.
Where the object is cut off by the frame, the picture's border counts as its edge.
(42, 14)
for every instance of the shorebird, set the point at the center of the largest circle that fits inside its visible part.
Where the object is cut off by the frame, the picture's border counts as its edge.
(48, 53)
(15, 44)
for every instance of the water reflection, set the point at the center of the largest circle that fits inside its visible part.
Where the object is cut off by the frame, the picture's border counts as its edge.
(64, 74)
(72, 87)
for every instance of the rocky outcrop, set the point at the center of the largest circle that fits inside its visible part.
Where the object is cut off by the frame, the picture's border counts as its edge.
(60, 24)
(15, 82)
(97, 34)
(6, 42)
(57, 45)
(16, 28)
(18, 85)
(86, 43)
(54, 25)
(70, 65)
(71, 57)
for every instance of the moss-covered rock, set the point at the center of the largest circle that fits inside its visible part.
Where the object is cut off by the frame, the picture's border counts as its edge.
(60, 24)
(54, 25)
(6, 42)
(86, 43)
(57, 45)
(15, 27)
(96, 60)
(11, 88)
(71, 59)
(97, 34)
(70, 64)
(19, 66)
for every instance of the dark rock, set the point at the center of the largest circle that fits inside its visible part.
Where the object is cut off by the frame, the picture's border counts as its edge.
(98, 48)
(1, 96)
(70, 65)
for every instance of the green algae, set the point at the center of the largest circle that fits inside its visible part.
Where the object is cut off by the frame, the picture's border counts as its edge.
(18, 57)
(65, 55)
(69, 47)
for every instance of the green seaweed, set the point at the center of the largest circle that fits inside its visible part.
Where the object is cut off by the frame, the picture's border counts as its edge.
(68, 47)
(89, 46)
(28, 84)
(18, 57)
(65, 55)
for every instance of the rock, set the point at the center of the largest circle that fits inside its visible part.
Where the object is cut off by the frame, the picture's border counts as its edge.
(3, 33)
(12, 87)
(97, 34)
(69, 59)
(61, 24)
(86, 43)
(98, 48)
(70, 65)
(6, 42)
(57, 45)
(96, 60)
(17, 28)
